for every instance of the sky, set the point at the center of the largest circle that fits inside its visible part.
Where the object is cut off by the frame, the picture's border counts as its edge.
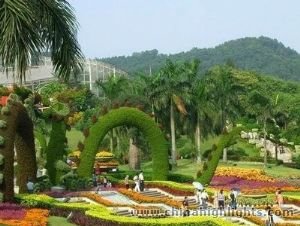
(120, 27)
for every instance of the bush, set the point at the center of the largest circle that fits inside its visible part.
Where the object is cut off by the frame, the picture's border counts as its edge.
(180, 178)
(42, 184)
(297, 162)
(236, 154)
(34, 200)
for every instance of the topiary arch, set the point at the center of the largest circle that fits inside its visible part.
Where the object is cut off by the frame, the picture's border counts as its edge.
(16, 131)
(129, 117)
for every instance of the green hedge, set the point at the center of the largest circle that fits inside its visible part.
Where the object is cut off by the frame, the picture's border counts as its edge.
(210, 166)
(130, 117)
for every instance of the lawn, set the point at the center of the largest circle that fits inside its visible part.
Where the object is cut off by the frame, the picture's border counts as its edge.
(189, 167)
(55, 221)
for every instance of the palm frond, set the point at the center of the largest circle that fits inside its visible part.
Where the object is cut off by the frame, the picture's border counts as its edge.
(18, 36)
(59, 31)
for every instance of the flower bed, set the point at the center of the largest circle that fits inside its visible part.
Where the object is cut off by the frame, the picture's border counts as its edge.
(32, 217)
(247, 174)
(11, 211)
(90, 215)
(250, 186)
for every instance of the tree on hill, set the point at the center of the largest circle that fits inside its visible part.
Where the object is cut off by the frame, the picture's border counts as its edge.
(263, 55)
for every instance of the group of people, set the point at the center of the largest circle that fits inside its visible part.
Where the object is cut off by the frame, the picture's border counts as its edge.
(220, 198)
(202, 198)
(100, 182)
(139, 183)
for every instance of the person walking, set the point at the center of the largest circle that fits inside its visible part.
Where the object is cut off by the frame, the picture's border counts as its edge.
(221, 200)
(185, 205)
(280, 199)
(105, 182)
(141, 180)
(198, 196)
(137, 183)
(204, 199)
(126, 181)
(233, 200)
(94, 180)
(269, 219)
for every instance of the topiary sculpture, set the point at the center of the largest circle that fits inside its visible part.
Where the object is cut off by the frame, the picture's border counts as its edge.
(130, 117)
(16, 131)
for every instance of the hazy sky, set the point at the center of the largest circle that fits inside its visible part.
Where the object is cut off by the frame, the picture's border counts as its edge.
(121, 27)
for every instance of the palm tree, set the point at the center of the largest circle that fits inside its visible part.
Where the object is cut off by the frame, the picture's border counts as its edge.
(169, 87)
(202, 113)
(224, 92)
(32, 27)
(261, 106)
(110, 91)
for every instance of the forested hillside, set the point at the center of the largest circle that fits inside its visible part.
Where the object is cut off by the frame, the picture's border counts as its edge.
(261, 54)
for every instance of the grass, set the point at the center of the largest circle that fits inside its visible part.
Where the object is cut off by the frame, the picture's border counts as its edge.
(55, 221)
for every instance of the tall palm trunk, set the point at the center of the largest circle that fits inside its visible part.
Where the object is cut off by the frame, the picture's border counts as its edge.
(265, 144)
(172, 123)
(225, 155)
(197, 140)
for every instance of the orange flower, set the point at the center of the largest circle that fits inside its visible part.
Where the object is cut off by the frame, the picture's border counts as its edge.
(33, 217)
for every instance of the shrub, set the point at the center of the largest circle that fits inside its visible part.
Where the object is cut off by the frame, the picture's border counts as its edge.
(34, 200)
(180, 178)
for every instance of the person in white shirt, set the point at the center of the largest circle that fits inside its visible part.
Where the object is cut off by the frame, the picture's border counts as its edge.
(141, 180)
(198, 195)
(137, 183)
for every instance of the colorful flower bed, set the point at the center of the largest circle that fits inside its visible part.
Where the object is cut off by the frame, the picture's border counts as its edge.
(232, 181)
(247, 174)
(90, 215)
(250, 186)
(31, 217)
(11, 211)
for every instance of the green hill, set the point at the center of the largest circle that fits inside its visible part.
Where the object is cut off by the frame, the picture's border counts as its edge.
(264, 55)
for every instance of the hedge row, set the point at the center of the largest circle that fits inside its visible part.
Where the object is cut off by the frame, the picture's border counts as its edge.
(130, 117)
